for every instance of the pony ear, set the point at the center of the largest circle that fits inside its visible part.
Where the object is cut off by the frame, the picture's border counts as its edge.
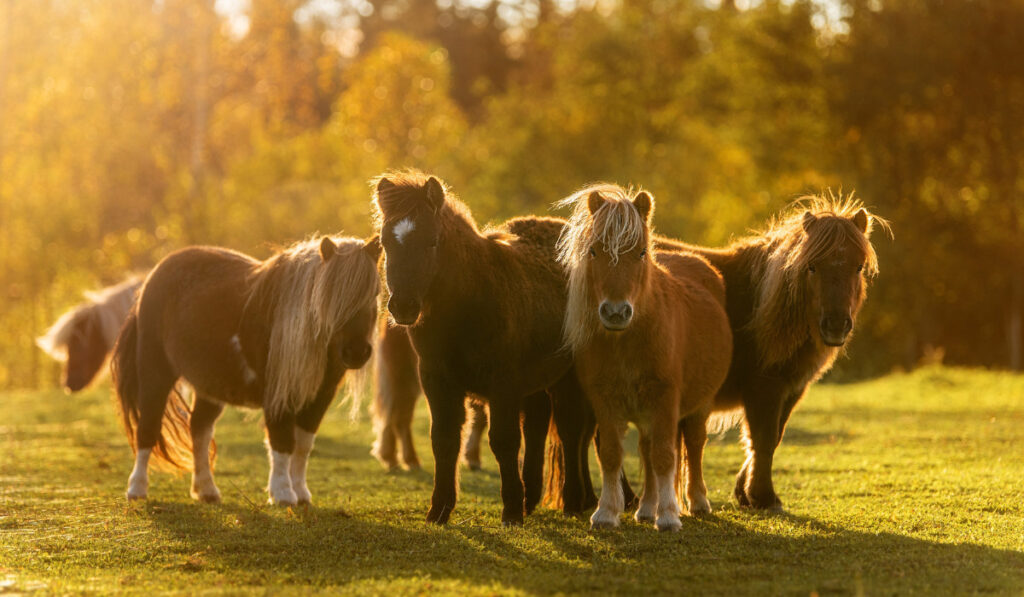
(372, 247)
(435, 194)
(861, 219)
(644, 203)
(595, 202)
(384, 184)
(809, 219)
(327, 249)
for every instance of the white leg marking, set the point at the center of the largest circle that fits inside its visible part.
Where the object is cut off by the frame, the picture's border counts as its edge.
(668, 507)
(280, 484)
(138, 482)
(203, 487)
(648, 505)
(403, 228)
(611, 504)
(300, 459)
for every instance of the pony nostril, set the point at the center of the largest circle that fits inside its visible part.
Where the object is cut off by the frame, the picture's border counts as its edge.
(627, 311)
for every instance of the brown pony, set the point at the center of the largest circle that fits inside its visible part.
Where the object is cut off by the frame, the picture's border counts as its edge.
(652, 345)
(484, 313)
(84, 336)
(277, 335)
(397, 388)
(793, 293)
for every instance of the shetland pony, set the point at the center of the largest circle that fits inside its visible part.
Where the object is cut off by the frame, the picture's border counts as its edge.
(84, 336)
(793, 292)
(652, 344)
(397, 388)
(277, 335)
(484, 313)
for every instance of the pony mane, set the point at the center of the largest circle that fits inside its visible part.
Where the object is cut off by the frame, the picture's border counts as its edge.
(617, 225)
(306, 305)
(787, 250)
(407, 194)
(106, 308)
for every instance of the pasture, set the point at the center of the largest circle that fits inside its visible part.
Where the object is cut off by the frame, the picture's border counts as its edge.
(910, 483)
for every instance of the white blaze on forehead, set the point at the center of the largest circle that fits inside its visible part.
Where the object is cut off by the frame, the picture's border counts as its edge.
(402, 229)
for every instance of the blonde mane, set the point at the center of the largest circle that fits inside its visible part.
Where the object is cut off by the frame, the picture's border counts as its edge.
(106, 308)
(307, 304)
(787, 251)
(618, 226)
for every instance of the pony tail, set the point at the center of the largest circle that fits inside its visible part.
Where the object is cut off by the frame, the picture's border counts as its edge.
(174, 446)
(554, 476)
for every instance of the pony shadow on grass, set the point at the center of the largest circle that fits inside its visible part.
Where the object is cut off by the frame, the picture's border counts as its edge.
(330, 548)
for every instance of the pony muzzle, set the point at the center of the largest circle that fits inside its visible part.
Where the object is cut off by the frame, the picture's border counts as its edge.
(615, 315)
(404, 311)
(835, 329)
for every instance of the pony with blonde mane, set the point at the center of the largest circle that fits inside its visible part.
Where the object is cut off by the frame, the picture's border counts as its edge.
(651, 344)
(82, 337)
(277, 335)
(793, 292)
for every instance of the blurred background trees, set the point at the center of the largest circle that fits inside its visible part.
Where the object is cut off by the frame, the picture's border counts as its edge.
(129, 128)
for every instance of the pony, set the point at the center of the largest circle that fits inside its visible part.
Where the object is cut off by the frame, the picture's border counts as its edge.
(651, 343)
(793, 293)
(82, 337)
(397, 388)
(277, 335)
(483, 311)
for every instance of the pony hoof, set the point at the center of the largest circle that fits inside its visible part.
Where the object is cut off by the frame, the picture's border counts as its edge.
(603, 520)
(668, 524)
(132, 497)
(207, 498)
(439, 515)
(643, 516)
(473, 466)
(699, 507)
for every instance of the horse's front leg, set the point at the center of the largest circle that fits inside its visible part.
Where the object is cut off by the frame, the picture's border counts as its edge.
(447, 414)
(664, 461)
(536, 423)
(307, 423)
(205, 413)
(505, 440)
(612, 501)
(648, 507)
(754, 485)
(280, 445)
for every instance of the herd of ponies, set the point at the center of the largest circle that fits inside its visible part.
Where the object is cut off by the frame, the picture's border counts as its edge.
(567, 330)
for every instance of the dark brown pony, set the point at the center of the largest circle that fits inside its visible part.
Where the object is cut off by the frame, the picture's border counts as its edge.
(484, 313)
(793, 293)
(651, 343)
(84, 336)
(277, 335)
(397, 388)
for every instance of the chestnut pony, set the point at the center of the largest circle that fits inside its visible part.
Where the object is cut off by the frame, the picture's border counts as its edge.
(277, 335)
(84, 336)
(484, 313)
(651, 343)
(793, 293)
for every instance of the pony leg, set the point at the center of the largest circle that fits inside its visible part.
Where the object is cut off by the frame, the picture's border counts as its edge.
(280, 445)
(155, 383)
(569, 476)
(307, 422)
(536, 419)
(477, 426)
(762, 436)
(612, 501)
(402, 410)
(649, 500)
(665, 462)
(629, 497)
(447, 414)
(398, 388)
(204, 416)
(695, 436)
(505, 439)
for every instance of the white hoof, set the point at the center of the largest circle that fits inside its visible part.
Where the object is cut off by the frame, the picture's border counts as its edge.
(645, 513)
(206, 493)
(668, 521)
(283, 497)
(302, 494)
(603, 518)
(136, 494)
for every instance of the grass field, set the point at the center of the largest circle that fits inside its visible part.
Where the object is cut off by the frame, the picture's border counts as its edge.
(906, 484)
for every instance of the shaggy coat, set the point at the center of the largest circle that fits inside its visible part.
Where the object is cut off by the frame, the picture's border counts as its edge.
(276, 335)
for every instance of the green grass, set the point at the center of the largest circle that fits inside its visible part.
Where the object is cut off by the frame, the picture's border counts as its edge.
(907, 484)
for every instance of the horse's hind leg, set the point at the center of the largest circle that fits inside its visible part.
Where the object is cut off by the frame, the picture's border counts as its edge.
(574, 424)
(695, 436)
(398, 388)
(505, 441)
(156, 379)
(536, 419)
(205, 413)
(280, 445)
(649, 500)
(477, 426)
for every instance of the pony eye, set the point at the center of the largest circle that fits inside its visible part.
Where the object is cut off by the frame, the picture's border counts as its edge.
(860, 268)
(811, 269)
(593, 253)
(643, 253)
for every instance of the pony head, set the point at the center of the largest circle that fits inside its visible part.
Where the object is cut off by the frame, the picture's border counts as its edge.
(345, 262)
(409, 209)
(819, 267)
(605, 248)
